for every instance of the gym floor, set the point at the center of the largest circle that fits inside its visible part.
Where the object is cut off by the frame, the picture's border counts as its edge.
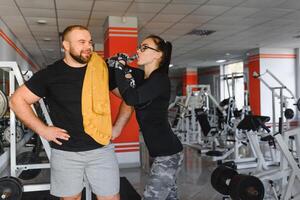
(193, 181)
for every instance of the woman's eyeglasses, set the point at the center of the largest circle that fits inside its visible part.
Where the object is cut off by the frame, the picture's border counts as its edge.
(143, 48)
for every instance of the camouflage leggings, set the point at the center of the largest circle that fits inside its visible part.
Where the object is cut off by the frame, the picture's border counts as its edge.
(161, 184)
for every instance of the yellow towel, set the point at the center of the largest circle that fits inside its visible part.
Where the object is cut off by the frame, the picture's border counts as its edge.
(95, 102)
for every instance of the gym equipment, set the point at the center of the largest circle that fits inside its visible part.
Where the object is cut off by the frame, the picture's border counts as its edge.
(28, 157)
(10, 188)
(283, 99)
(19, 134)
(15, 77)
(231, 88)
(298, 104)
(207, 130)
(283, 179)
(255, 128)
(289, 113)
(185, 125)
(227, 181)
(3, 104)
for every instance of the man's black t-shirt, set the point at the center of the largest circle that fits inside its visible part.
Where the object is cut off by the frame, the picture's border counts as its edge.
(61, 85)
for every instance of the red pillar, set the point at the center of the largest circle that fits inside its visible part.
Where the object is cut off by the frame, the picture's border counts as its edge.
(121, 36)
(190, 77)
(254, 84)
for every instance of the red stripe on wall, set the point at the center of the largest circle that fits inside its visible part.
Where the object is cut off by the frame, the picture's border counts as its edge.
(276, 56)
(19, 51)
(120, 30)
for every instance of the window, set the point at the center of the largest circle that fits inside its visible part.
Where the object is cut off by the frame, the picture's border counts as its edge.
(232, 83)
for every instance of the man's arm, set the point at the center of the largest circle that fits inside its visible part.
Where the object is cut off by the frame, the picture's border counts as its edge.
(20, 102)
(123, 117)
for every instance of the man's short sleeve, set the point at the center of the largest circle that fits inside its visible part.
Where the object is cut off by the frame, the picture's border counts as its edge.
(37, 84)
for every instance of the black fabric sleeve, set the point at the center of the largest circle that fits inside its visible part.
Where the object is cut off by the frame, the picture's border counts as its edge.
(112, 81)
(37, 84)
(155, 85)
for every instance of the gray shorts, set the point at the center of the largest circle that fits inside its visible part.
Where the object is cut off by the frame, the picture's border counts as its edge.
(98, 168)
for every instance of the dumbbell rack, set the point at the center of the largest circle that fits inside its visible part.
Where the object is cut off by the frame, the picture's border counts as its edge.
(15, 75)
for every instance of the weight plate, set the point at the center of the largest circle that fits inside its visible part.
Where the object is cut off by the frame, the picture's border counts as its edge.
(221, 177)
(289, 113)
(245, 187)
(3, 104)
(10, 188)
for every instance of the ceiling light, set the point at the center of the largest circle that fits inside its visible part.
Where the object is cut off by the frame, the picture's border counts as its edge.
(47, 39)
(41, 21)
(171, 65)
(227, 54)
(220, 61)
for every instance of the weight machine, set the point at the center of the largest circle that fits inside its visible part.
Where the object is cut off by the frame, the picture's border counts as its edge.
(184, 124)
(283, 100)
(195, 125)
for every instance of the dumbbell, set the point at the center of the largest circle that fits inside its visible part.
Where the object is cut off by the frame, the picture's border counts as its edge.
(227, 181)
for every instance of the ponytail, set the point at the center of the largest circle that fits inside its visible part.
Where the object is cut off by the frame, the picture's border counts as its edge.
(166, 59)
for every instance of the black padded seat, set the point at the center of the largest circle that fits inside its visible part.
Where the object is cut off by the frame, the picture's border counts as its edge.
(253, 122)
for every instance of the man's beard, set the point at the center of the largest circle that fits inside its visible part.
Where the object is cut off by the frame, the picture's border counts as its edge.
(80, 58)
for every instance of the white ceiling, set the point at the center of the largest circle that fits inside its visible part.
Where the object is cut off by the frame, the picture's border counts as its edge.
(240, 25)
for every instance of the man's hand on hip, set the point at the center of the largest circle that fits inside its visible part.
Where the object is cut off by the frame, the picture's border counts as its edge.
(52, 133)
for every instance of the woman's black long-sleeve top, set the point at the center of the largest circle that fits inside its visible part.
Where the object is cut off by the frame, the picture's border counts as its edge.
(150, 99)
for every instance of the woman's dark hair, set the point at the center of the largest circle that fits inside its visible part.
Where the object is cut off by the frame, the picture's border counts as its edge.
(166, 48)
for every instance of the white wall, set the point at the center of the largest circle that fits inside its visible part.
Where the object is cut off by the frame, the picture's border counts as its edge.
(284, 70)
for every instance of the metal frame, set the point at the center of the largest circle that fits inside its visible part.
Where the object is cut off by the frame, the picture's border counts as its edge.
(282, 98)
(289, 170)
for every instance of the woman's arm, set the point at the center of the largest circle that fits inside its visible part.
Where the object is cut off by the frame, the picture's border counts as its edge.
(154, 86)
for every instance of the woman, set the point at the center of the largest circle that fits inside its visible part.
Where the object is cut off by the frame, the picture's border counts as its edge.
(150, 95)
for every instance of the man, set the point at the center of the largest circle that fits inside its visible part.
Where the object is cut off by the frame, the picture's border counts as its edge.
(79, 109)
